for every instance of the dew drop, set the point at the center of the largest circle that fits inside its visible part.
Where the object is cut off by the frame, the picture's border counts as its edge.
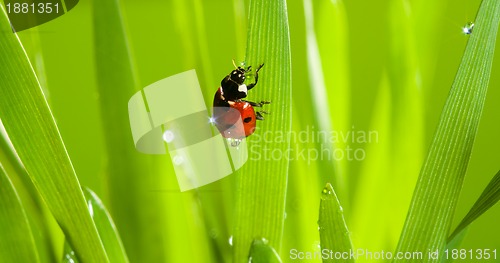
(327, 190)
(467, 29)
(231, 240)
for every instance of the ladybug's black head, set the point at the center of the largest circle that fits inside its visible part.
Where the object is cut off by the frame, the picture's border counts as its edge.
(233, 86)
(238, 75)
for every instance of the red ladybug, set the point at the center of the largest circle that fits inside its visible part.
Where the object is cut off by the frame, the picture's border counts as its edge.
(229, 106)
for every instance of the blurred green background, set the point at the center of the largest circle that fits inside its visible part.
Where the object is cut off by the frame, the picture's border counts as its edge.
(398, 74)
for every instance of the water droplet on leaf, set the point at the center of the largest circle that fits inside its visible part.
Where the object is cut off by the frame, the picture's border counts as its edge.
(467, 29)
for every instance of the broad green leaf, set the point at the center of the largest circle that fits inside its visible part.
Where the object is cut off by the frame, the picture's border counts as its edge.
(441, 177)
(489, 197)
(17, 243)
(262, 181)
(332, 227)
(34, 134)
(105, 227)
(261, 252)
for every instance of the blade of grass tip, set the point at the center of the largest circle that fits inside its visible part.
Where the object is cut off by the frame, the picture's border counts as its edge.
(106, 228)
(332, 227)
(17, 243)
(441, 178)
(261, 252)
(262, 182)
(489, 197)
(34, 134)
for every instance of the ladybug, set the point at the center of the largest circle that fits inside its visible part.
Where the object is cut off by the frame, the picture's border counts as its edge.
(229, 106)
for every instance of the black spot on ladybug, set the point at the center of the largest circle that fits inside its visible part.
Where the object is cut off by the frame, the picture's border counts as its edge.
(247, 119)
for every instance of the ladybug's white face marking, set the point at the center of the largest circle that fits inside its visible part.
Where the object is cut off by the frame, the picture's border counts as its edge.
(243, 88)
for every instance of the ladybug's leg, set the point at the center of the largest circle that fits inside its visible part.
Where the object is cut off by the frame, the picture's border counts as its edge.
(259, 116)
(250, 86)
(257, 104)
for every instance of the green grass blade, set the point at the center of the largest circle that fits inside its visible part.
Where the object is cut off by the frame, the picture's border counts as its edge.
(68, 254)
(332, 227)
(39, 216)
(303, 190)
(406, 104)
(34, 134)
(17, 243)
(489, 197)
(455, 243)
(179, 224)
(261, 252)
(106, 228)
(375, 176)
(442, 174)
(135, 209)
(331, 90)
(262, 182)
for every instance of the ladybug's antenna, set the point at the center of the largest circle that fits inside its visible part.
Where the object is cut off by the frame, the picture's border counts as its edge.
(234, 64)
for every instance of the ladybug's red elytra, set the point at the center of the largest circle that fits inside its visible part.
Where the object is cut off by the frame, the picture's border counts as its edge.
(229, 106)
